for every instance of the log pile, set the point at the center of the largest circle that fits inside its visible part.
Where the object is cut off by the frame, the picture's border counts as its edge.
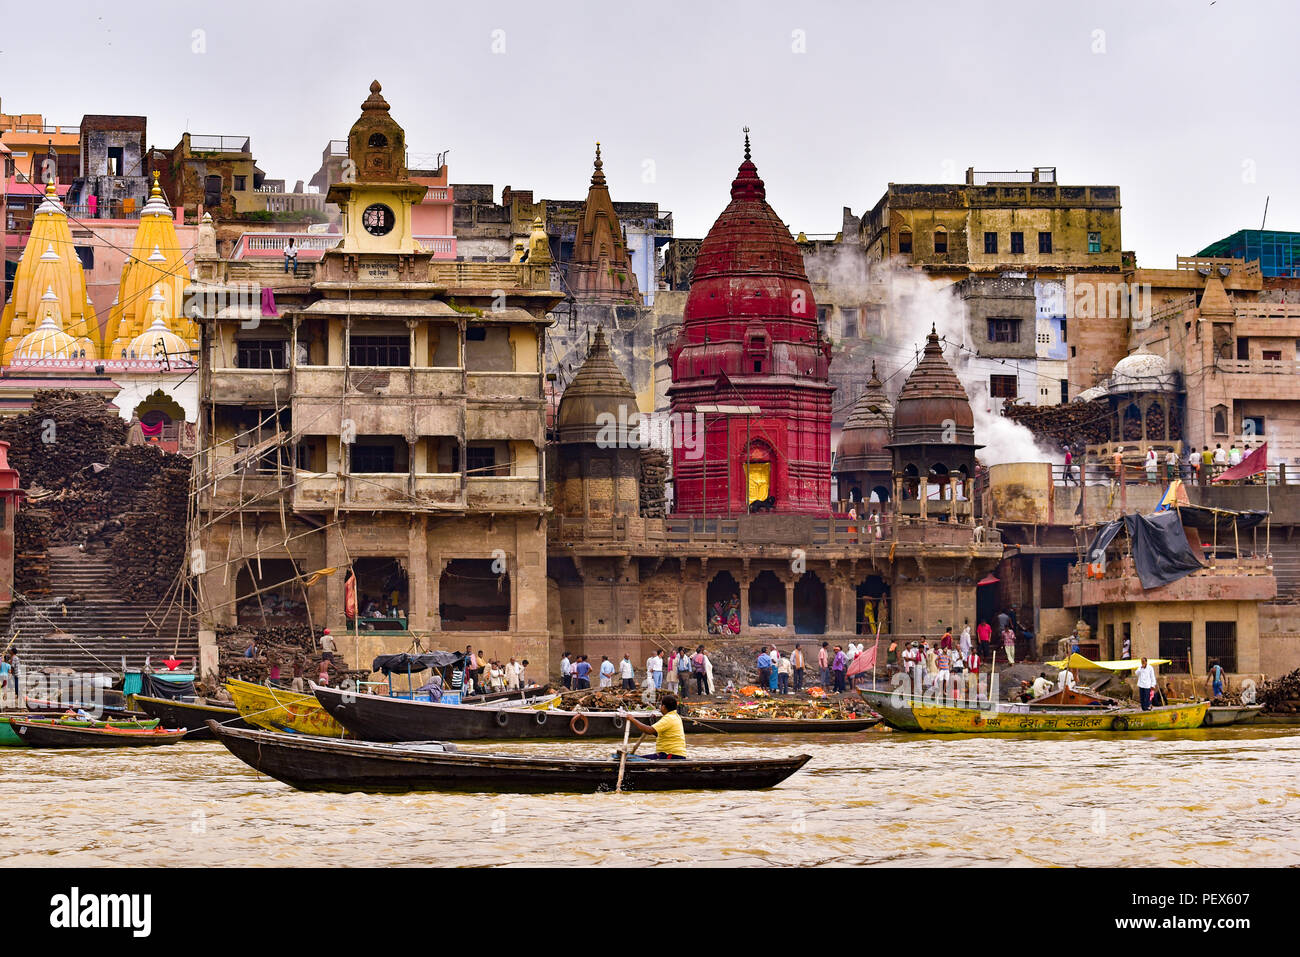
(654, 478)
(281, 644)
(601, 699)
(1069, 423)
(62, 434)
(1282, 695)
(153, 489)
(32, 528)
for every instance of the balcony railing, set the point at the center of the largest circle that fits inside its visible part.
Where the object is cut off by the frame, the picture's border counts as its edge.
(220, 144)
(270, 245)
(442, 247)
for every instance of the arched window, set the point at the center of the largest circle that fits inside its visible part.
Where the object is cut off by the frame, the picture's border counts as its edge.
(905, 240)
(940, 240)
(1132, 431)
(377, 141)
(1220, 420)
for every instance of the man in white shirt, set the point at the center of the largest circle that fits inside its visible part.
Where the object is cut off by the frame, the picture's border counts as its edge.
(1146, 681)
(625, 672)
(1234, 455)
(1041, 685)
(654, 666)
(566, 671)
(512, 675)
(1065, 679)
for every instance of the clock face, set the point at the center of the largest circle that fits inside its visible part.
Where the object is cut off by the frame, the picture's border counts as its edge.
(378, 219)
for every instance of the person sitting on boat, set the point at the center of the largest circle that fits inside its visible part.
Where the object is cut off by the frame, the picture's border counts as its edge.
(670, 736)
(1042, 685)
(432, 687)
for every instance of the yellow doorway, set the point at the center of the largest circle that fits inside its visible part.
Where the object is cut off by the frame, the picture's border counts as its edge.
(759, 479)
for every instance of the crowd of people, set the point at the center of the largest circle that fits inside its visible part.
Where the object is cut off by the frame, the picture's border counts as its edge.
(1198, 466)
(675, 673)
(484, 675)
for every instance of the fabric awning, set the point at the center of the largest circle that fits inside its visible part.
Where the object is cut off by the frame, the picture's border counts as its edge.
(1078, 662)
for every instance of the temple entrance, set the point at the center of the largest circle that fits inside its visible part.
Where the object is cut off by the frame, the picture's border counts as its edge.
(268, 592)
(723, 605)
(809, 605)
(767, 600)
(872, 605)
(383, 602)
(160, 419)
(760, 495)
(472, 597)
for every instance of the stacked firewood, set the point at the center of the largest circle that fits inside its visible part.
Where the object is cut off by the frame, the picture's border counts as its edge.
(32, 560)
(1282, 695)
(280, 644)
(62, 434)
(152, 488)
(654, 476)
(1071, 422)
(1155, 422)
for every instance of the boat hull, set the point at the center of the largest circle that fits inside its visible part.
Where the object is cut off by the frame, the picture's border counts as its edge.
(976, 721)
(192, 717)
(10, 738)
(777, 725)
(41, 734)
(274, 709)
(897, 709)
(1217, 717)
(381, 718)
(318, 764)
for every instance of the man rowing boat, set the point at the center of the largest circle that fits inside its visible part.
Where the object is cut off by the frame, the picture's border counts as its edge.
(668, 731)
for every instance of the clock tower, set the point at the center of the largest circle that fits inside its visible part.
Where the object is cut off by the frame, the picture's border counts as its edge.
(376, 193)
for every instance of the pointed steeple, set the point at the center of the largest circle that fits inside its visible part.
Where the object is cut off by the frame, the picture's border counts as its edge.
(601, 269)
(598, 169)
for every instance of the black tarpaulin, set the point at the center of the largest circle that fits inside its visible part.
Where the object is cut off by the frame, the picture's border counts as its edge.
(401, 664)
(1105, 535)
(1206, 519)
(1161, 552)
(152, 687)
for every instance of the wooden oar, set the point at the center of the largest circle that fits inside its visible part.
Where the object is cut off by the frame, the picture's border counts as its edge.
(622, 760)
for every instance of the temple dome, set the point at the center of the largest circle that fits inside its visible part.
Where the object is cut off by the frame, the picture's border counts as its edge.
(48, 340)
(865, 438)
(932, 401)
(155, 340)
(598, 388)
(1141, 371)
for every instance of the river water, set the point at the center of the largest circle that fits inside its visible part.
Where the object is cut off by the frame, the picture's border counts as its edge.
(1187, 798)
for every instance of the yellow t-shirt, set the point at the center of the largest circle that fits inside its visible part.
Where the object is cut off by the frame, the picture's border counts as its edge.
(671, 736)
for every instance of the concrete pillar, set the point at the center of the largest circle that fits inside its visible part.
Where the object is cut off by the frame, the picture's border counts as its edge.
(417, 573)
(789, 603)
(1037, 568)
(335, 558)
(746, 581)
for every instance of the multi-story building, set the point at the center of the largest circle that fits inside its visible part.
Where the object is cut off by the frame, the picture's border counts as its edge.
(383, 418)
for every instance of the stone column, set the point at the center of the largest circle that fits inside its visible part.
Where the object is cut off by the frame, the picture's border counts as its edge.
(417, 580)
(789, 602)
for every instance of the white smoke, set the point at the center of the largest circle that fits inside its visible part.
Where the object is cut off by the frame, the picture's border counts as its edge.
(912, 303)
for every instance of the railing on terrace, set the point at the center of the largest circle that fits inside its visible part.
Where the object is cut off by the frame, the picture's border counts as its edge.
(808, 531)
(1258, 366)
(1123, 567)
(1249, 267)
(442, 247)
(1135, 473)
(267, 244)
(69, 130)
(220, 144)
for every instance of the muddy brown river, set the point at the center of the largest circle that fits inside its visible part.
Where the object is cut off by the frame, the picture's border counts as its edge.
(1188, 798)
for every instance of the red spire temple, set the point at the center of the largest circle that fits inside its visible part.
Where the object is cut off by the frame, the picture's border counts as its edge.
(750, 359)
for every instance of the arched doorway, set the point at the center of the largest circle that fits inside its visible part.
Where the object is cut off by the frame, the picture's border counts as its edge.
(809, 605)
(160, 420)
(767, 600)
(872, 606)
(759, 471)
(383, 599)
(723, 597)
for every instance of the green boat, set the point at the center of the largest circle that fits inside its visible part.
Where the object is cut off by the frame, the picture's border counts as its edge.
(8, 739)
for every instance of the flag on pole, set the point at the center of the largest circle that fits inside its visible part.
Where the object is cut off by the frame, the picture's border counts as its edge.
(1252, 464)
(864, 662)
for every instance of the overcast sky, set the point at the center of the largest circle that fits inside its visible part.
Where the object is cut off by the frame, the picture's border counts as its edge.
(1188, 106)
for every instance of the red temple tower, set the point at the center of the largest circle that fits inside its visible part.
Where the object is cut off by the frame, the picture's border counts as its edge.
(751, 363)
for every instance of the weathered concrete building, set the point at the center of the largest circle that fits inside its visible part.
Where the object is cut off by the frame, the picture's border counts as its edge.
(383, 419)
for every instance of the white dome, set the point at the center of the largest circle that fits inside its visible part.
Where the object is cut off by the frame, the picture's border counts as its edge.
(1140, 369)
(1089, 395)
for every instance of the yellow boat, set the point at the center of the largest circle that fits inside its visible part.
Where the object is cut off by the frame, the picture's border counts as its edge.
(275, 709)
(979, 721)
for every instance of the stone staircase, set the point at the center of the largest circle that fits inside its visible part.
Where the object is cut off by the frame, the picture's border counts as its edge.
(86, 627)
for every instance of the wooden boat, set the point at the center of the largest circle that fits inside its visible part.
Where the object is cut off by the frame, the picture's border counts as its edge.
(979, 721)
(1217, 716)
(192, 716)
(10, 739)
(896, 708)
(56, 734)
(323, 764)
(695, 725)
(275, 709)
(523, 694)
(381, 718)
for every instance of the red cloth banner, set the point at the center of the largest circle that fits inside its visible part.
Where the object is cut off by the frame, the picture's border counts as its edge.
(1252, 464)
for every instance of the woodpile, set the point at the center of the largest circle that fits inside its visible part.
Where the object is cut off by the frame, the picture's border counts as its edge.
(654, 480)
(601, 699)
(1282, 695)
(91, 488)
(32, 528)
(1069, 423)
(1155, 422)
(281, 644)
(63, 434)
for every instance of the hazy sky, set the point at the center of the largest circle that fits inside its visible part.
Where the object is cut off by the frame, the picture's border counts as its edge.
(1188, 106)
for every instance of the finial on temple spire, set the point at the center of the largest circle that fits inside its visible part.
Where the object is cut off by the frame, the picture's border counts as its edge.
(746, 142)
